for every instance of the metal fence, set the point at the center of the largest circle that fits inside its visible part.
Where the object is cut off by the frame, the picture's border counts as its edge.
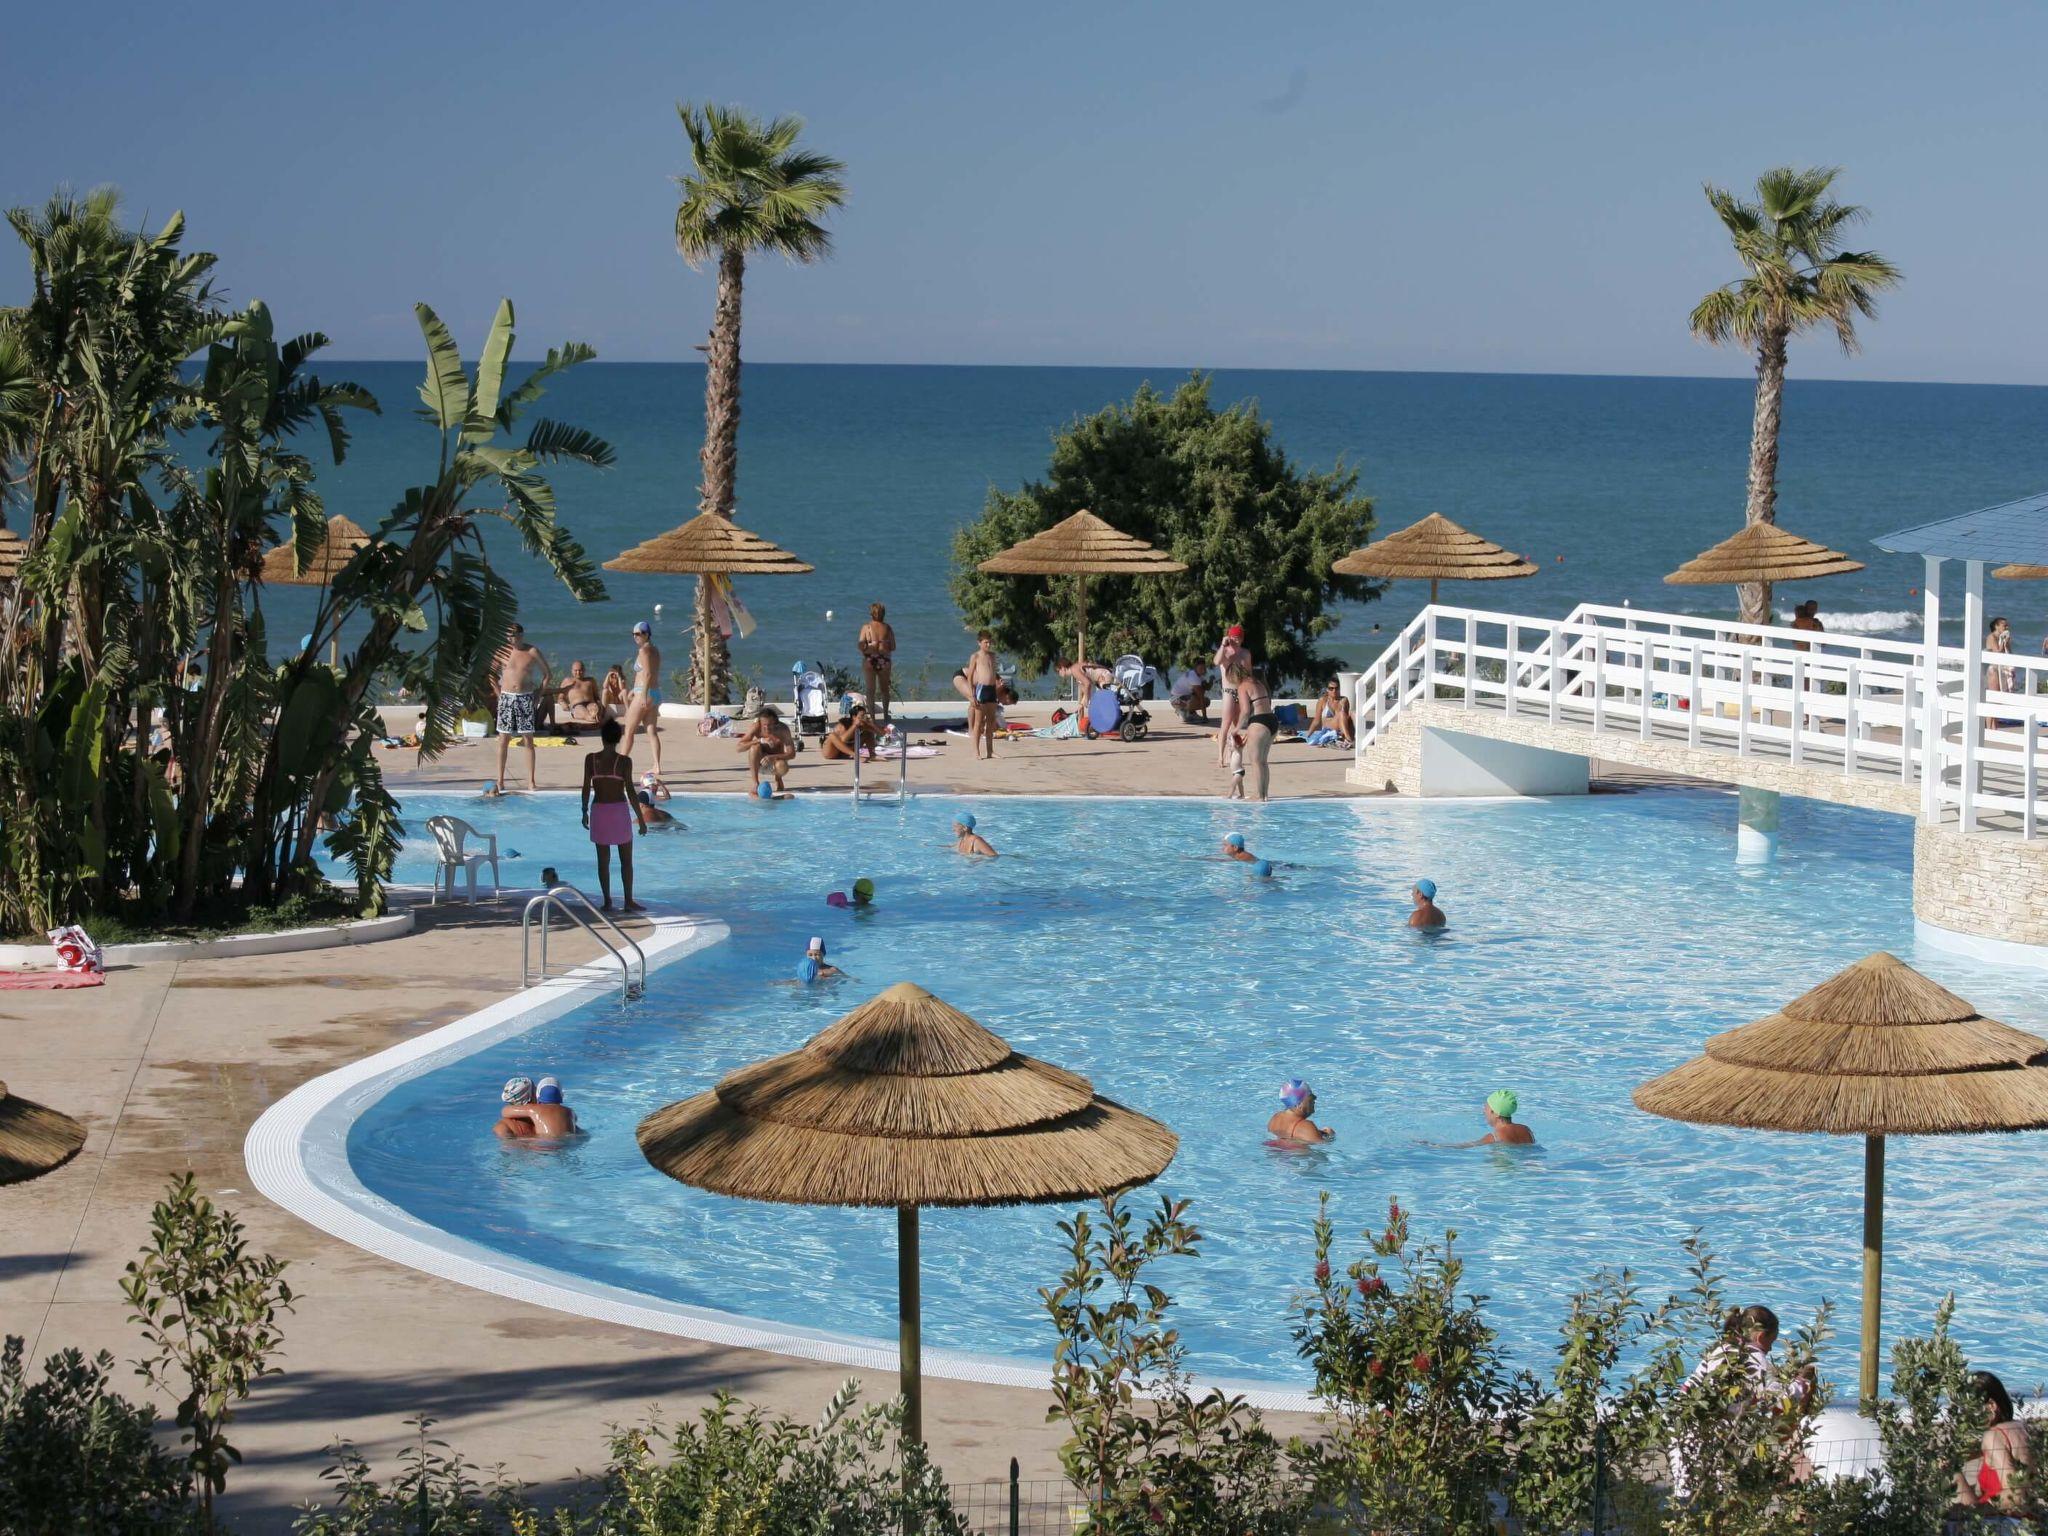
(1014, 1507)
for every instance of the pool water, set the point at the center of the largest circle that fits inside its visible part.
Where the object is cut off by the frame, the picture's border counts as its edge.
(1593, 943)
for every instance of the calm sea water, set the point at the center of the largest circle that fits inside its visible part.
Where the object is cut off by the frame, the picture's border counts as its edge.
(1607, 483)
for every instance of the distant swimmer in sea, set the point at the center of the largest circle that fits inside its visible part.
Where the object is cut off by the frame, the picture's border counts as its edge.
(1234, 848)
(814, 966)
(1293, 1120)
(967, 840)
(1426, 914)
(533, 1110)
(1501, 1128)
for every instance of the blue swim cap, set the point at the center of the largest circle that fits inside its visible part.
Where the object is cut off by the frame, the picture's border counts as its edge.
(1235, 840)
(964, 819)
(1293, 1093)
(1263, 868)
(1426, 889)
(765, 791)
(549, 1092)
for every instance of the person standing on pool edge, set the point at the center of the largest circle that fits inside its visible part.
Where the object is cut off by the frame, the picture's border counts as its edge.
(1427, 915)
(877, 642)
(518, 664)
(643, 704)
(610, 812)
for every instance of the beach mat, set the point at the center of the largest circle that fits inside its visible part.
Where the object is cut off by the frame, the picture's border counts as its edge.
(49, 981)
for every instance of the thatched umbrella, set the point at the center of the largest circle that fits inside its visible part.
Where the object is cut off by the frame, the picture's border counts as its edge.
(12, 550)
(708, 545)
(338, 546)
(1082, 546)
(1876, 1051)
(34, 1139)
(906, 1101)
(1765, 553)
(1433, 550)
(2003, 573)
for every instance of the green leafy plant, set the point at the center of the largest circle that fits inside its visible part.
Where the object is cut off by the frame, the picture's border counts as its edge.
(1576, 1441)
(436, 1493)
(1150, 1453)
(209, 1312)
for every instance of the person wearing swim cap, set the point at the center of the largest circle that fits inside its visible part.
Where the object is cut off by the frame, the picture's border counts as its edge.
(1292, 1122)
(651, 814)
(863, 892)
(1426, 914)
(1502, 1130)
(1234, 848)
(814, 966)
(967, 840)
(516, 1120)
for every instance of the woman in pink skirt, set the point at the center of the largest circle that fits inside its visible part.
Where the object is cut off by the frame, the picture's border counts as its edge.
(610, 812)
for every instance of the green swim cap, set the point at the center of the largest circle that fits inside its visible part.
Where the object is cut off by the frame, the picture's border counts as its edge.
(863, 889)
(1502, 1102)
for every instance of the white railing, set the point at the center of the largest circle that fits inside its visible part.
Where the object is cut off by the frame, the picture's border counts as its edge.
(1847, 704)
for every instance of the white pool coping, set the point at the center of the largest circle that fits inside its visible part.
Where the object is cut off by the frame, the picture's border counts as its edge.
(282, 941)
(297, 1156)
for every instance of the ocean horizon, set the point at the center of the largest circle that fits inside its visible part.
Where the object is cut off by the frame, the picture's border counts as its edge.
(1605, 481)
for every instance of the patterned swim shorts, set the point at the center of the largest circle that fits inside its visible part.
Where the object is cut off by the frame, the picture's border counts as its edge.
(515, 714)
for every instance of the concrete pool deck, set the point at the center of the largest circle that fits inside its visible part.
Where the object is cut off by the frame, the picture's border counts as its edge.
(168, 1065)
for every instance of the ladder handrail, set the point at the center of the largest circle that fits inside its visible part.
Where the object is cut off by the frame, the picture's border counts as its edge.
(552, 899)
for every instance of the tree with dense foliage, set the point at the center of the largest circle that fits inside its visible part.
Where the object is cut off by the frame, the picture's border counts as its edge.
(1798, 278)
(751, 190)
(1214, 490)
(155, 760)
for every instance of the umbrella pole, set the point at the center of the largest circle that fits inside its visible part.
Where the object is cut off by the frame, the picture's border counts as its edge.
(1432, 591)
(911, 1364)
(1873, 1268)
(1081, 635)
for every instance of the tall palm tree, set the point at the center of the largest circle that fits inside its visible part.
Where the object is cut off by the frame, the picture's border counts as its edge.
(750, 190)
(1799, 278)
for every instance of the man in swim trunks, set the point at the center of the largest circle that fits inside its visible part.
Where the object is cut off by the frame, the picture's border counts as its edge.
(1501, 1129)
(1426, 914)
(849, 736)
(877, 644)
(578, 703)
(983, 682)
(643, 704)
(1234, 848)
(1292, 1122)
(768, 744)
(522, 672)
(814, 966)
(967, 840)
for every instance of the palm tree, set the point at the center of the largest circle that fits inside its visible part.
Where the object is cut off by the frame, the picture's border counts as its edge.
(1790, 239)
(750, 189)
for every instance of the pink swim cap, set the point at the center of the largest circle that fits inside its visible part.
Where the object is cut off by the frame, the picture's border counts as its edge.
(837, 899)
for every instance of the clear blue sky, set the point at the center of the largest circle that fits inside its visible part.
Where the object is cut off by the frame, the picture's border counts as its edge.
(1494, 187)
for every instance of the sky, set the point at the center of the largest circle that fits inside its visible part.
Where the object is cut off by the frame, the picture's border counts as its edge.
(1358, 185)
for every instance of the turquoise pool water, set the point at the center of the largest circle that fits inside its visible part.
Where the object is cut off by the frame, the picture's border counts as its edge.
(1594, 942)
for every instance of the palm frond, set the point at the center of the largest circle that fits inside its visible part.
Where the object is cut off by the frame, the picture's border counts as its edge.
(559, 360)
(445, 390)
(555, 440)
(481, 420)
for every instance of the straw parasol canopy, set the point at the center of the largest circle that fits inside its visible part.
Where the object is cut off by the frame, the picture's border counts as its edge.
(34, 1139)
(708, 545)
(12, 549)
(905, 1102)
(2003, 573)
(1761, 552)
(1433, 550)
(1876, 1051)
(338, 546)
(1082, 546)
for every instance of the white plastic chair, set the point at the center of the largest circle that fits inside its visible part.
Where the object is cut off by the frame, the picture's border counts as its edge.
(451, 836)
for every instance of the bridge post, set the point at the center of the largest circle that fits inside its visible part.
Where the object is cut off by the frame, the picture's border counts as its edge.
(1930, 692)
(1973, 687)
(1756, 826)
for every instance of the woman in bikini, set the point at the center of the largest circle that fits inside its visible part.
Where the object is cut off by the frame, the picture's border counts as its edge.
(1259, 724)
(2001, 1476)
(1331, 711)
(612, 697)
(1228, 653)
(610, 812)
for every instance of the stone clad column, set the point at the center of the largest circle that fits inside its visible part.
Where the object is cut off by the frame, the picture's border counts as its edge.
(1756, 826)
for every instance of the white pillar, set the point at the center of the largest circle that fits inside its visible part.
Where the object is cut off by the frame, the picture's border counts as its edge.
(1973, 685)
(1930, 693)
(1756, 826)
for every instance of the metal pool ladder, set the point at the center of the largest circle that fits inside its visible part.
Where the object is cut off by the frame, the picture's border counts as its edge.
(556, 899)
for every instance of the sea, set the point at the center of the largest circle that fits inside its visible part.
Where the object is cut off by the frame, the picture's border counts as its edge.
(1606, 483)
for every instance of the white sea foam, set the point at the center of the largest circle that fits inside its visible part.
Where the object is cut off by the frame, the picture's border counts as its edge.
(1879, 621)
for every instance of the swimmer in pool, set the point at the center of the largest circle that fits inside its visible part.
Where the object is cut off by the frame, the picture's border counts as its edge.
(1501, 1128)
(1234, 848)
(863, 892)
(533, 1110)
(653, 814)
(814, 967)
(1292, 1121)
(967, 840)
(1426, 914)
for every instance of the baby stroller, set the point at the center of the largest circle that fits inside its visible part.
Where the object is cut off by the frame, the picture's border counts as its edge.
(810, 701)
(1119, 709)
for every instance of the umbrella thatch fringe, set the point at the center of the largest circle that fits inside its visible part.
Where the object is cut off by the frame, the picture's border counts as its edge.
(338, 546)
(1082, 545)
(1435, 549)
(12, 549)
(1711, 1092)
(708, 545)
(2003, 573)
(34, 1138)
(1761, 552)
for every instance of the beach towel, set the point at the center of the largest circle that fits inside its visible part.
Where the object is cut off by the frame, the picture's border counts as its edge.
(1063, 731)
(49, 981)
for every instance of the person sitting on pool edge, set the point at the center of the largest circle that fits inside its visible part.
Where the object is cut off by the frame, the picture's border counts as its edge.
(533, 1110)
(1426, 914)
(1234, 848)
(1501, 1128)
(850, 735)
(1292, 1121)
(967, 840)
(813, 966)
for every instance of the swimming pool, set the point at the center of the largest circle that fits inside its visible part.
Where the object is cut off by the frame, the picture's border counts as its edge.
(1594, 942)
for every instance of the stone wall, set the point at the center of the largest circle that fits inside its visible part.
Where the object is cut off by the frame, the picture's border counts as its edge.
(1986, 885)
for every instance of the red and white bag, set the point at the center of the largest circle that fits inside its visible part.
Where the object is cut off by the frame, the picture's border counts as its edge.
(76, 952)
